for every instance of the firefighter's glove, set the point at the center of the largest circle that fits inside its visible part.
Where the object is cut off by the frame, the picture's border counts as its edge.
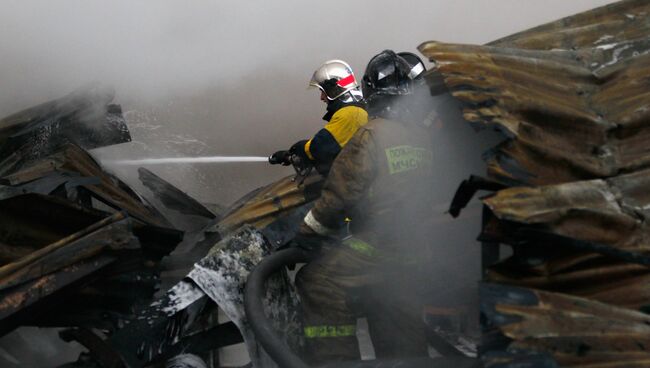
(298, 149)
(280, 157)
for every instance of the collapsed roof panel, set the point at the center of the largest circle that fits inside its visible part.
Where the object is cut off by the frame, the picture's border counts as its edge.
(85, 117)
(78, 247)
(571, 98)
(262, 207)
(33, 220)
(173, 197)
(111, 232)
(608, 212)
(75, 167)
(16, 302)
(588, 210)
(566, 122)
(623, 20)
(181, 210)
(573, 331)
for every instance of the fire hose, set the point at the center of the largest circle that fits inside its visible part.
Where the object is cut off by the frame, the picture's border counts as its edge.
(272, 343)
(278, 349)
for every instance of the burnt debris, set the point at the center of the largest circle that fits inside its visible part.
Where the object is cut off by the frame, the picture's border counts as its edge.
(574, 168)
(78, 247)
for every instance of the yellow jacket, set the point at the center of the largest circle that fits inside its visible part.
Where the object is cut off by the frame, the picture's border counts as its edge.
(327, 143)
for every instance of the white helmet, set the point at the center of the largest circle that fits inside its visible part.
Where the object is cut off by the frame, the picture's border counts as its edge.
(335, 78)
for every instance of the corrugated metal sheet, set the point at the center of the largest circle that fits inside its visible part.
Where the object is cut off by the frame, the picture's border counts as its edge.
(572, 99)
(264, 206)
(572, 114)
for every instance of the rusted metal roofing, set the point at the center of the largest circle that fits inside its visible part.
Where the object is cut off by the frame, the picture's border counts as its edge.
(571, 113)
(572, 100)
(620, 21)
(546, 329)
(265, 205)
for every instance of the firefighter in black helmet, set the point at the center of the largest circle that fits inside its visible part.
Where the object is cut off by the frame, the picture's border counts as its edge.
(345, 114)
(383, 179)
(415, 63)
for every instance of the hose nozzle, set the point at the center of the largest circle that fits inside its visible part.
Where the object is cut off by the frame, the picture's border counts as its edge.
(280, 158)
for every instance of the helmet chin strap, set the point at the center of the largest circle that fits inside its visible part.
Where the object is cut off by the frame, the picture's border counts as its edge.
(351, 96)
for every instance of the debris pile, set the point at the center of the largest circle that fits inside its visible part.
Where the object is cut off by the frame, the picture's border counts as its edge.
(78, 247)
(570, 180)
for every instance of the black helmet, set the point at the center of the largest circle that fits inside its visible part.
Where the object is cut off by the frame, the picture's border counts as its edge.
(416, 64)
(387, 74)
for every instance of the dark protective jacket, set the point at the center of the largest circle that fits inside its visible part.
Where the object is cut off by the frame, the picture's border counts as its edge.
(383, 180)
(342, 122)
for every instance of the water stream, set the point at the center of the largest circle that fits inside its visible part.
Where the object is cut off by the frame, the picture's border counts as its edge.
(182, 160)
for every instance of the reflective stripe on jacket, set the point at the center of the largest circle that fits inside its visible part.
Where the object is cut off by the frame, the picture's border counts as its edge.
(383, 179)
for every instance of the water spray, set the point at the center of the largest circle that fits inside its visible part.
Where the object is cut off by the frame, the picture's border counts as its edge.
(188, 160)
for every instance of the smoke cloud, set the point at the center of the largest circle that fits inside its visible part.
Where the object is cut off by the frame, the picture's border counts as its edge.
(208, 77)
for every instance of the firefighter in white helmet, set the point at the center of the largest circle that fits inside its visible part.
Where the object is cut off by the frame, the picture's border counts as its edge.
(340, 90)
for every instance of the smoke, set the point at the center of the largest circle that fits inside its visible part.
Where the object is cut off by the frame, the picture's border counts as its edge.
(224, 77)
(207, 78)
(163, 48)
(446, 278)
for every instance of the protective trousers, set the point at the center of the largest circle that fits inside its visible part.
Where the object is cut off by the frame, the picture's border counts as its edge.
(350, 281)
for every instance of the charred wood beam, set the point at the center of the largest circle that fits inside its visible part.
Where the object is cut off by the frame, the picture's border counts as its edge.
(115, 237)
(99, 350)
(490, 249)
(173, 197)
(47, 184)
(106, 300)
(6, 270)
(156, 241)
(468, 189)
(219, 336)
(10, 253)
(156, 327)
(23, 303)
(38, 219)
(63, 315)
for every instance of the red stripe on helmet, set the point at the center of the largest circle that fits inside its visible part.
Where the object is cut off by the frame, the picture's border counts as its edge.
(346, 81)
